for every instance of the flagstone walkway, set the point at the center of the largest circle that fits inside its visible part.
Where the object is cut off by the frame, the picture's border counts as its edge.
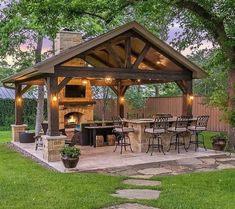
(175, 167)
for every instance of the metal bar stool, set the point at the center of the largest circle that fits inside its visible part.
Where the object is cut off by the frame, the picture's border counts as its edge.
(121, 132)
(178, 130)
(200, 126)
(159, 127)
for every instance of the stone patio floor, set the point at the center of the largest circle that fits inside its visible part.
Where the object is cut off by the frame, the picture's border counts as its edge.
(137, 165)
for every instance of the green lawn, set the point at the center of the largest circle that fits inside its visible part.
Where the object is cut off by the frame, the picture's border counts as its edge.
(5, 136)
(25, 184)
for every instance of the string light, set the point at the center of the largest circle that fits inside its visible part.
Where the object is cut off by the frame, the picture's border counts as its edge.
(108, 80)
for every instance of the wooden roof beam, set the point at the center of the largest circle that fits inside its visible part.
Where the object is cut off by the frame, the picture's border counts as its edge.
(141, 56)
(121, 73)
(145, 61)
(114, 55)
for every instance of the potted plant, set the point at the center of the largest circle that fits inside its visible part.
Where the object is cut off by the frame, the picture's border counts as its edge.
(70, 156)
(219, 141)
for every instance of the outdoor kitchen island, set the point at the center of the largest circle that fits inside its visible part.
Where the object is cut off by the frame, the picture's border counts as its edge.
(139, 139)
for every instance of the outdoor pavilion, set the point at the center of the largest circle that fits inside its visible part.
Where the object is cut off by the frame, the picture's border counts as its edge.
(128, 55)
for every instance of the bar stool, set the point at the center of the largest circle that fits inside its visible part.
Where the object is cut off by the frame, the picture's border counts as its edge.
(121, 132)
(159, 127)
(178, 130)
(201, 125)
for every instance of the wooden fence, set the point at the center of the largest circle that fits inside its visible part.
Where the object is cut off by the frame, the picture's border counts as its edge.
(172, 105)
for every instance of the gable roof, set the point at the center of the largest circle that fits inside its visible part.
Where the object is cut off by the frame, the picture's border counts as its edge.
(47, 66)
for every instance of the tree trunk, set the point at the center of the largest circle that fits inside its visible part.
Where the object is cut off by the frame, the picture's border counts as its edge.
(40, 101)
(231, 106)
(40, 110)
(156, 88)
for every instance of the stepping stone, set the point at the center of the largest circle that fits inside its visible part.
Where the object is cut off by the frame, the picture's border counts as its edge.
(154, 171)
(189, 161)
(209, 160)
(225, 166)
(141, 176)
(130, 206)
(141, 182)
(145, 194)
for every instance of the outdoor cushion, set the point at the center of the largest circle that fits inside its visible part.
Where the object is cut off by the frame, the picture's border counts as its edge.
(125, 130)
(194, 128)
(177, 129)
(154, 131)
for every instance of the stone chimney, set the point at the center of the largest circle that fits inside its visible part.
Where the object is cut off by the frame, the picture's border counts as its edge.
(66, 39)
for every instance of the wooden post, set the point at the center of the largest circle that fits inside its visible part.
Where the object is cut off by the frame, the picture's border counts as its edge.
(18, 104)
(121, 90)
(53, 106)
(120, 100)
(187, 100)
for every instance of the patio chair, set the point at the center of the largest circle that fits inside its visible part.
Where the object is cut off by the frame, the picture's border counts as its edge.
(200, 126)
(121, 132)
(178, 131)
(159, 127)
(38, 142)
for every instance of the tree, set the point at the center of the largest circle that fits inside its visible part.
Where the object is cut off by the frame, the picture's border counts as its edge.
(198, 21)
(20, 27)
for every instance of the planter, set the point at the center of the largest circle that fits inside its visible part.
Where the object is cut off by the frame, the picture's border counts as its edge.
(70, 162)
(219, 145)
(26, 137)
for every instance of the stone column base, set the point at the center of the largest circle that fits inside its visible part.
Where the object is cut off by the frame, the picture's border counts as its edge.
(16, 130)
(52, 146)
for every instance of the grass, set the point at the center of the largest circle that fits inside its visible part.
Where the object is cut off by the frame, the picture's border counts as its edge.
(212, 190)
(25, 184)
(5, 136)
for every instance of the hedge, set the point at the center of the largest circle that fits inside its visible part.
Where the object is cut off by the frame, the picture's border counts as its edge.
(7, 112)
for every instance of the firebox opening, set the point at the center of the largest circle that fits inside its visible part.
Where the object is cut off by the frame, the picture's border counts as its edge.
(72, 119)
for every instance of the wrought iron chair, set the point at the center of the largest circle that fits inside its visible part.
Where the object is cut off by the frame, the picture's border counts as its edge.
(159, 127)
(200, 126)
(121, 132)
(38, 142)
(178, 130)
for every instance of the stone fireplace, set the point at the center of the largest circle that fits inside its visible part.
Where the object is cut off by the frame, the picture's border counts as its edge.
(73, 110)
(70, 116)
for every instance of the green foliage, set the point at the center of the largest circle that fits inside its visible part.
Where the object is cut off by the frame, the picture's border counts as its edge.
(219, 137)
(169, 89)
(136, 97)
(70, 152)
(7, 113)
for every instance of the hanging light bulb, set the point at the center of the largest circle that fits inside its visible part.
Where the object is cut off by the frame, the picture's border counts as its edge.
(108, 80)
(84, 82)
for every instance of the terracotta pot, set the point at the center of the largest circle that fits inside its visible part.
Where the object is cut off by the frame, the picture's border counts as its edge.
(70, 162)
(219, 145)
